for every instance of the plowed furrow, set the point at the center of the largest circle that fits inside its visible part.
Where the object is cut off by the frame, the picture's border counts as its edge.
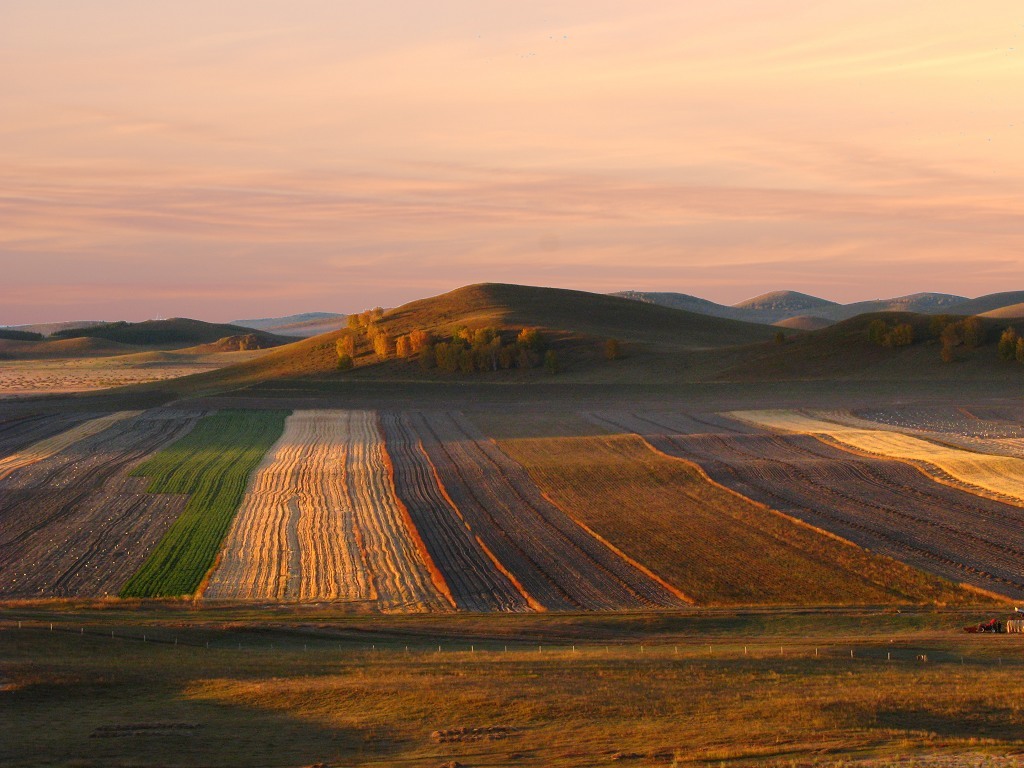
(75, 523)
(557, 562)
(882, 504)
(475, 584)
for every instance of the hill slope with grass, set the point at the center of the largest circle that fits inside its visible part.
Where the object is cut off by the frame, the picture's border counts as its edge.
(302, 325)
(172, 333)
(575, 324)
(846, 351)
(988, 303)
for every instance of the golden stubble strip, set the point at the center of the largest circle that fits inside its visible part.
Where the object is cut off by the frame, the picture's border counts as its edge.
(985, 474)
(51, 446)
(321, 521)
(293, 537)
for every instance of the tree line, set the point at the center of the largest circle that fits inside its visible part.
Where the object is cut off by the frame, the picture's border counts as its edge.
(954, 334)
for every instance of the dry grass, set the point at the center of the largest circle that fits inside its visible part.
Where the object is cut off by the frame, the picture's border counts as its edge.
(1001, 477)
(714, 545)
(292, 697)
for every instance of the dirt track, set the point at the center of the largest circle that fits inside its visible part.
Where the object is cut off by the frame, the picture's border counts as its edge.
(75, 523)
(884, 505)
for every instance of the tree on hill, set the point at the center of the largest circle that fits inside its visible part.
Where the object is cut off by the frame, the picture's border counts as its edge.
(346, 345)
(899, 335)
(382, 345)
(1008, 344)
(551, 361)
(403, 348)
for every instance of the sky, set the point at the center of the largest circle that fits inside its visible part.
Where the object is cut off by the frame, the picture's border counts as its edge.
(245, 159)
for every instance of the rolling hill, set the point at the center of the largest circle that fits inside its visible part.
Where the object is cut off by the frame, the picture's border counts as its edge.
(175, 332)
(575, 323)
(780, 307)
(302, 325)
(1013, 312)
(988, 303)
(844, 351)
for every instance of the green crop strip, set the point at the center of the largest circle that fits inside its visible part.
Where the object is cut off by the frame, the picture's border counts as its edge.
(212, 464)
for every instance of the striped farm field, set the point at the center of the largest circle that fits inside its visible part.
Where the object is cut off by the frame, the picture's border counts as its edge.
(211, 464)
(554, 562)
(999, 476)
(714, 545)
(884, 505)
(321, 521)
(473, 580)
(77, 524)
(53, 445)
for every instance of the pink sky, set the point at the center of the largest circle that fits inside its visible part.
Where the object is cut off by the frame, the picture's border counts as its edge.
(240, 159)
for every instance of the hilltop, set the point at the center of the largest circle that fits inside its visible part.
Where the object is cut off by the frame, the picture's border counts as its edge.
(172, 333)
(575, 324)
(790, 308)
(845, 351)
(989, 303)
(302, 325)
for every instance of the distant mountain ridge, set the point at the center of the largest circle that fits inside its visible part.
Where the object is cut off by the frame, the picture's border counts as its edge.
(792, 309)
(302, 325)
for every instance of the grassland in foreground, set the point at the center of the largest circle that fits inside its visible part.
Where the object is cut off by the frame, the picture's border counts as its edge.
(707, 688)
(212, 463)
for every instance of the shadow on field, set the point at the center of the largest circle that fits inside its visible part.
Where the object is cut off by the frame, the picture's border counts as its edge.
(971, 720)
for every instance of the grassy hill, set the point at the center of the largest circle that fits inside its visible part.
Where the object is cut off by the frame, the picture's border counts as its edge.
(51, 349)
(788, 308)
(301, 326)
(575, 323)
(175, 332)
(988, 303)
(778, 305)
(1013, 311)
(845, 351)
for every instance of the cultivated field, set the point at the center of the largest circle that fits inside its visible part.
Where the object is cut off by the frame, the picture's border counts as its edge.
(958, 427)
(997, 476)
(212, 464)
(56, 443)
(20, 431)
(74, 522)
(714, 545)
(321, 521)
(554, 562)
(474, 581)
(884, 505)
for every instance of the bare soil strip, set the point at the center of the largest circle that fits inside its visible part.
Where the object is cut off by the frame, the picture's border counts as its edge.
(20, 432)
(884, 505)
(321, 521)
(475, 584)
(556, 562)
(75, 524)
(1001, 477)
(50, 446)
